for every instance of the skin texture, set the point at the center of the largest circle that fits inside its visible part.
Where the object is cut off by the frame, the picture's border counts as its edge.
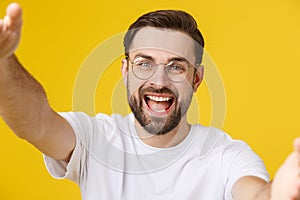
(24, 107)
(182, 93)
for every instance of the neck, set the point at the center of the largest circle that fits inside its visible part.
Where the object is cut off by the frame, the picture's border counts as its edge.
(169, 139)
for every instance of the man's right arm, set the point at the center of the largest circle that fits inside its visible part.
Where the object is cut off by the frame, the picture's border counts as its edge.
(23, 102)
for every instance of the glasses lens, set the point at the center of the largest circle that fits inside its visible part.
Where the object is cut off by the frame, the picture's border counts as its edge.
(177, 70)
(143, 68)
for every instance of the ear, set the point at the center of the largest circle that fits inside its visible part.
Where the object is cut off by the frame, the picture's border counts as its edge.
(124, 70)
(198, 77)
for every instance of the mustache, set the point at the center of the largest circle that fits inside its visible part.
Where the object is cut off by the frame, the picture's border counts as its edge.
(163, 90)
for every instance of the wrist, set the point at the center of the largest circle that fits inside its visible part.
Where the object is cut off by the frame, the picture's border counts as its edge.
(6, 60)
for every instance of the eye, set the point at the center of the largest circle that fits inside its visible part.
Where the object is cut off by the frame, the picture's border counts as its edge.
(143, 63)
(176, 68)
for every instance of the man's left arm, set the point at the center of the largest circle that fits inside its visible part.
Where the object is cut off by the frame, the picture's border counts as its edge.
(285, 186)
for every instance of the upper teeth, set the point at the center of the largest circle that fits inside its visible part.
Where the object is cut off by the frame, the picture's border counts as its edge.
(155, 98)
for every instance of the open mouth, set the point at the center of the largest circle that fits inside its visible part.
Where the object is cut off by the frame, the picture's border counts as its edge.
(159, 103)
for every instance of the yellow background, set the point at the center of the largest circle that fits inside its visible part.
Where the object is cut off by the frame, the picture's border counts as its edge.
(255, 45)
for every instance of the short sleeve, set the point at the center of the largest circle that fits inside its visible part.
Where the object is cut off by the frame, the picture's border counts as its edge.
(241, 161)
(82, 126)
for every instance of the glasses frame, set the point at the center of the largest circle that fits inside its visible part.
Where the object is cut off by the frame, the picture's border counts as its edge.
(156, 67)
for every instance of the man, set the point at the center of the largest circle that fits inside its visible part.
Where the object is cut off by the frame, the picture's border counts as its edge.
(150, 154)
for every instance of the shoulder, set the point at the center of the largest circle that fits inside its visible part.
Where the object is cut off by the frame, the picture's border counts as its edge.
(82, 123)
(81, 117)
(213, 140)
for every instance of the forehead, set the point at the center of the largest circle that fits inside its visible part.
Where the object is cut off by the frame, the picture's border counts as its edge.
(167, 40)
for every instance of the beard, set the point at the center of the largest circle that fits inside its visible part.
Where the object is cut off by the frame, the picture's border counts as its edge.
(154, 124)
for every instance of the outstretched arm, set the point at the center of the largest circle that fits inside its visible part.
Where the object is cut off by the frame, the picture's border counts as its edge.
(23, 102)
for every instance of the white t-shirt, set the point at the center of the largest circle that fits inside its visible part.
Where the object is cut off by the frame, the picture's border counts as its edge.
(110, 162)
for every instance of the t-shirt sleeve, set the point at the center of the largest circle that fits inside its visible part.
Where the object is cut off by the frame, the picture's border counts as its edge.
(82, 126)
(241, 161)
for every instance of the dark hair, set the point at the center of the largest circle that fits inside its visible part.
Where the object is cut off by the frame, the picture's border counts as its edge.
(169, 19)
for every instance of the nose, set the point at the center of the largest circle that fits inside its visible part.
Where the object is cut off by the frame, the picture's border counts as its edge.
(160, 77)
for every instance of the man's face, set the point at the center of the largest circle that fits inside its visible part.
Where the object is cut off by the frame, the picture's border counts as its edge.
(159, 103)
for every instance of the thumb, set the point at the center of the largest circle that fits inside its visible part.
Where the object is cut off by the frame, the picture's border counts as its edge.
(297, 149)
(13, 18)
(297, 145)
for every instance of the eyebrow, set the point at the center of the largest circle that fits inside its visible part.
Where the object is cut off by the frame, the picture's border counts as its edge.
(152, 59)
(144, 56)
(177, 59)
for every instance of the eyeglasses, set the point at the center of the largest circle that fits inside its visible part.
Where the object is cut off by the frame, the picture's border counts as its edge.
(144, 68)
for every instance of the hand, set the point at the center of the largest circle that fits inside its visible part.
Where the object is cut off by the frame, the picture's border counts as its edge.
(286, 184)
(10, 30)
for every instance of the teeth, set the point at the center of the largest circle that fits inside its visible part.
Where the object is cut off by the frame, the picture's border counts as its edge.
(159, 111)
(155, 98)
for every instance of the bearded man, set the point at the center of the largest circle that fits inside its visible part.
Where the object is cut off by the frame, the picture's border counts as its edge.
(153, 153)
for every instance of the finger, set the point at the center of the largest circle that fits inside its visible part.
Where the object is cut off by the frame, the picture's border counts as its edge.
(14, 11)
(1, 25)
(13, 18)
(297, 145)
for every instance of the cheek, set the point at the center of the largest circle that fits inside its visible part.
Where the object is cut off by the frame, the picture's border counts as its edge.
(133, 85)
(185, 87)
